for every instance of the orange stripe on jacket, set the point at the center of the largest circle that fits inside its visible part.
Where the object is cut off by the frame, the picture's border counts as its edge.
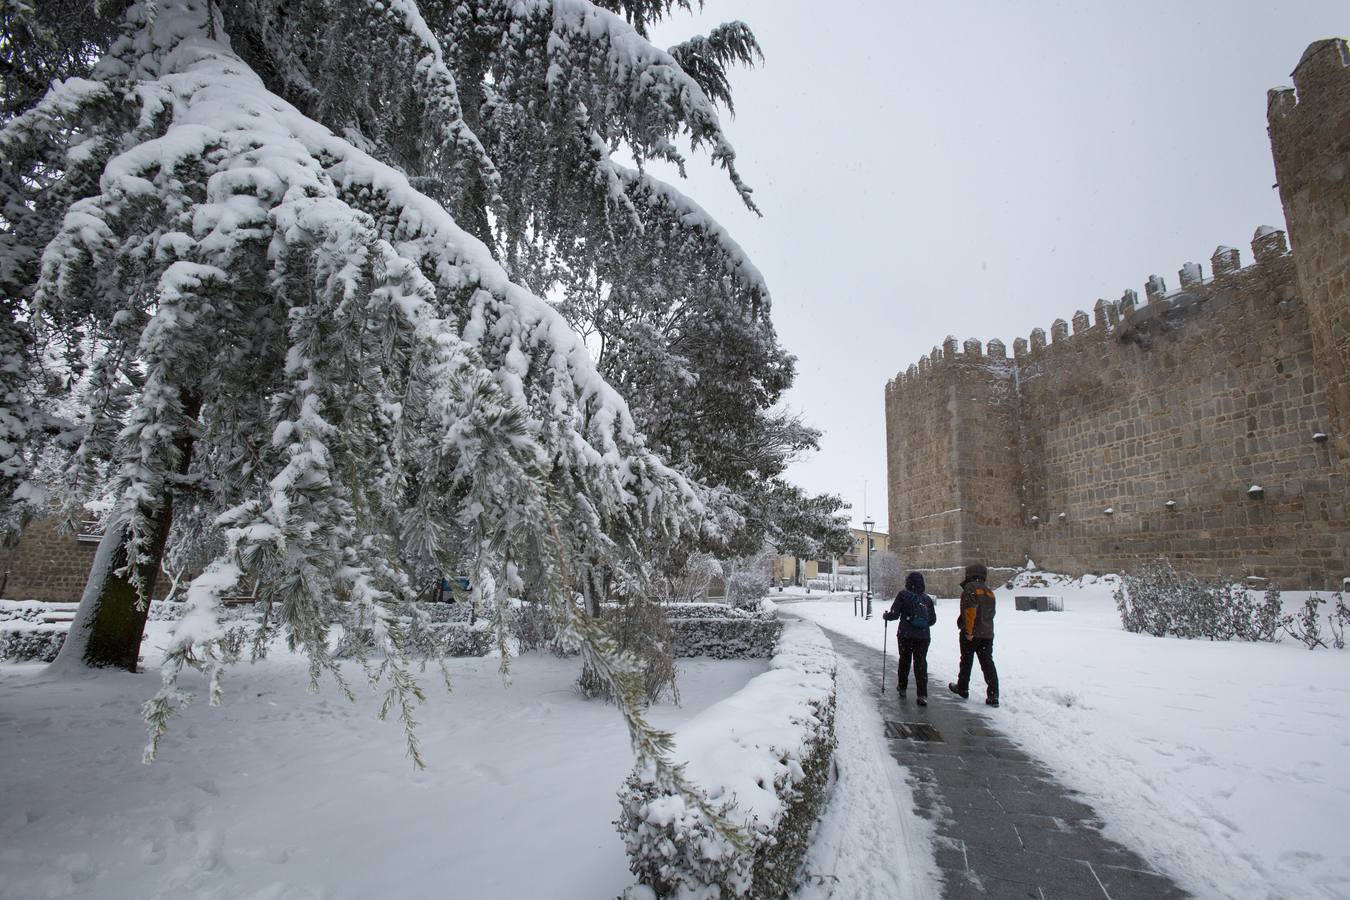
(969, 615)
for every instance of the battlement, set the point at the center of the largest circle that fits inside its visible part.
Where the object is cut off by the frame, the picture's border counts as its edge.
(1138, 428)
(1108, 317)
(1321, 74)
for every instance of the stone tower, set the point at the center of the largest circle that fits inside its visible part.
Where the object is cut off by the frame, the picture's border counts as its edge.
(1310, 140)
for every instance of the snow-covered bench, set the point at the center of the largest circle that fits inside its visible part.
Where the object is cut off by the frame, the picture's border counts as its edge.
(762, 758)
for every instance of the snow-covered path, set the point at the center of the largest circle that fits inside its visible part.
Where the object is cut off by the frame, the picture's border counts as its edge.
(869, 842)
(285, 795)
(1223, 764)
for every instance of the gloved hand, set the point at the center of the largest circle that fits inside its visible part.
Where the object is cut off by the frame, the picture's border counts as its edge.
(890, 616)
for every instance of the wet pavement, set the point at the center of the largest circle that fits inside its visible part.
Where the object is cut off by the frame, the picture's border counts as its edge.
(1006, 828)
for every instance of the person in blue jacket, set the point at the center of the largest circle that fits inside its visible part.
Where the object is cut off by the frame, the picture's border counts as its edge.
(914, 609)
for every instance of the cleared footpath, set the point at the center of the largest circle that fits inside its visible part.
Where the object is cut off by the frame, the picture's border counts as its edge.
(1006, 828)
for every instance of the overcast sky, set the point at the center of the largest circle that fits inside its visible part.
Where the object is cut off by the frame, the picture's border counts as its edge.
(981, 169)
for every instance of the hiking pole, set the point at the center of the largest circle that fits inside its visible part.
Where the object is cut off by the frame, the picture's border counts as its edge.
(884, 623)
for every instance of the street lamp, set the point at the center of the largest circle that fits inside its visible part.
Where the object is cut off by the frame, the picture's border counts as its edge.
(868, 524)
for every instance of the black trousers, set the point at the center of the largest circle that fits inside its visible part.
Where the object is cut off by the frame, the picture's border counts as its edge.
(917, 651)
(984, 649)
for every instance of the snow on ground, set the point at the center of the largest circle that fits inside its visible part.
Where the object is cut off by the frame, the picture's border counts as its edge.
(1226, 764)
(869, 841)
(284, 795)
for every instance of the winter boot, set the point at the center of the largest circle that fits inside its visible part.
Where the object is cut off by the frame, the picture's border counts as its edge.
(956, 689)
(921, 700)
(991, 701)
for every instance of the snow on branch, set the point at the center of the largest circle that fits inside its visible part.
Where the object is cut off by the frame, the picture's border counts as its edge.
(366, 389)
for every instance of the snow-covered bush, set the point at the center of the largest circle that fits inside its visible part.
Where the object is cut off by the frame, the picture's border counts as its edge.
(640, 630)
(729, 637)
(165, 612)
(762, 757)
(1340, 617)
(1157, 599)
(691, 584)
(23, 610)
(888, 575)
(681, 611)
(430, 639)
(1306, 625)
(40, 644)
(749, 578)
(445, 612)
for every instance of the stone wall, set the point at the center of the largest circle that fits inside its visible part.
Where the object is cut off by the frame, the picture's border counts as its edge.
(46, 564)
(1209, 424)
(1310, 140)
(1191, 426)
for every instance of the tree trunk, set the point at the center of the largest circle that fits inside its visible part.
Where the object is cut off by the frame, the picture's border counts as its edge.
(110, 623)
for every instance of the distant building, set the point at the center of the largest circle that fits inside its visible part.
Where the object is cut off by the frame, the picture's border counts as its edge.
(847, 572)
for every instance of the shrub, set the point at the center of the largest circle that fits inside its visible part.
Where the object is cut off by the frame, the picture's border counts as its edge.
(432, 640)
(749, 578)
(639, 628)
(1306, 626)
(39, 644)
(727, 638)
(762, 760)
(1157, 599)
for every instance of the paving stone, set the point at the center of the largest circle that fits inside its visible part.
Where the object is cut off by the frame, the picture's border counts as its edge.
(984, 831)
(1027, 867)
(1132, 884)
(1041, 804)
(950, 854)
(965, 886)
(1087, 845)
(975, 798)
(1005, 827)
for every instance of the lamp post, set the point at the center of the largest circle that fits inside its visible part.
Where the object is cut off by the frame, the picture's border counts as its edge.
(867, 548)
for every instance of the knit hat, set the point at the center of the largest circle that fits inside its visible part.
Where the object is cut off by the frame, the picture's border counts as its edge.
(975, 572)
(914, 582)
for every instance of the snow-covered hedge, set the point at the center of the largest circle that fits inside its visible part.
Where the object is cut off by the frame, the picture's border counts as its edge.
(23, 610)
(721, 631)
(762, 758)
(1159, 600)
(435, 639)
(24, 644)
(674, 611)
(725, 638)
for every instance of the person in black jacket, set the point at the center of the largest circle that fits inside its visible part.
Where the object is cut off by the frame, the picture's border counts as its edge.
(976, 625)
(916, 613)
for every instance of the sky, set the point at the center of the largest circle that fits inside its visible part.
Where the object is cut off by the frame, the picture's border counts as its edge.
(981, 169)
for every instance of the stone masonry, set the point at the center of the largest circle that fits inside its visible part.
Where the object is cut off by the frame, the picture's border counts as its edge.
(47, 563)
(1209, 424)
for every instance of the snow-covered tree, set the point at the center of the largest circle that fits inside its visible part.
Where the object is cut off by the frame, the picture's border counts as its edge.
(303, 373)
(550, 113)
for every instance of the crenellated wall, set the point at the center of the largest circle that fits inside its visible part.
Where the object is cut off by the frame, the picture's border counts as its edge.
(1310, 140)
(1135, 432)
(1209, 423)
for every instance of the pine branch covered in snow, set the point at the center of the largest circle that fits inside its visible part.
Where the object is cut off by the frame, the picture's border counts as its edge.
(330, 383)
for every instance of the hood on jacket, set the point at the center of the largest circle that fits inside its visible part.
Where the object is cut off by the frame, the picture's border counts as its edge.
(914, 582)
(975, 572)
